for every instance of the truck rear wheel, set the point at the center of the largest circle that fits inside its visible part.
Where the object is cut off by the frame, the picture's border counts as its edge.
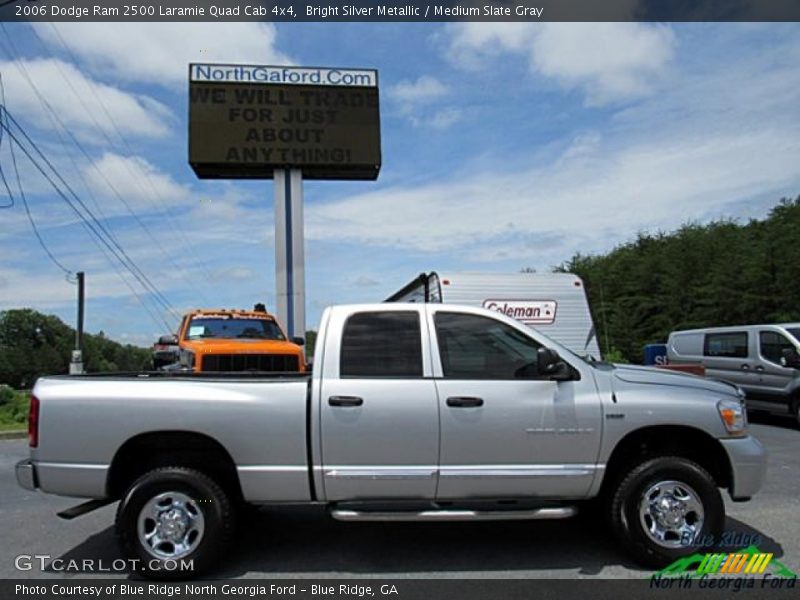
(176, 522)
(666, 508)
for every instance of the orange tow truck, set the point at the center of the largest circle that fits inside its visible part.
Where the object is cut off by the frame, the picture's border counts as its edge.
(237, 340)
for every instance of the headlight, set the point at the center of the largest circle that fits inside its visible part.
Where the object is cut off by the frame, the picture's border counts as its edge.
(733, 415)
(187, 358)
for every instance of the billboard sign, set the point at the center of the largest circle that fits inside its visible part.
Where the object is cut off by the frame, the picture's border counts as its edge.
(245, 121)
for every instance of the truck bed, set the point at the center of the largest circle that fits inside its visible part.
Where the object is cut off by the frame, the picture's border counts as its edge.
(259, 419)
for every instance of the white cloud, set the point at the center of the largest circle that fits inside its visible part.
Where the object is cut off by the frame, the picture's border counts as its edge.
(424, 89)
(597, 192)
(135, 179)
(472, 44)
(442, 119)
(81, 103)
(609, 62)
(161, 52)
(420, 102)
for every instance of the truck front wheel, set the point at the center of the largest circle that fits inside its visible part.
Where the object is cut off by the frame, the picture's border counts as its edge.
(667, 508)
(174, 522)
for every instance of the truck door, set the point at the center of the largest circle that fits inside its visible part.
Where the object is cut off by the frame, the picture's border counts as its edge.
(379, 413)
(505, 431)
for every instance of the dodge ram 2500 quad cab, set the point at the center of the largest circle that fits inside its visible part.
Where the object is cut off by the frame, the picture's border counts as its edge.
(413, 412)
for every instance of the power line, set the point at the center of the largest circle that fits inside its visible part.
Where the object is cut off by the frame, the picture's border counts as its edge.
(5, 183)
(96, 239)
(57, 127)
(127, 261)
(170, 216)
(22, 196)
(126, 165)
(93, 224)
(115, 246)
(69, 275)
(38, 235)
(23, 70)
(97, 244)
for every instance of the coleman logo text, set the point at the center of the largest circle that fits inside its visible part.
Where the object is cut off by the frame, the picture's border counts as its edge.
(530, 312)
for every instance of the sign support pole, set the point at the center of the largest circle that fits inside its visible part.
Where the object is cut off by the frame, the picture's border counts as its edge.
(290, 278)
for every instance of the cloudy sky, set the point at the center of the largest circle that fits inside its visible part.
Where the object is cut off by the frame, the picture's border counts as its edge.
(504, 146)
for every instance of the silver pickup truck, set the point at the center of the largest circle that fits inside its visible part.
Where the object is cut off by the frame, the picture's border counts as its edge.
(414, 412)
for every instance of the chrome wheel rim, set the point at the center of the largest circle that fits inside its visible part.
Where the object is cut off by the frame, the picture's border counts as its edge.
(170, 525)
(671, 514)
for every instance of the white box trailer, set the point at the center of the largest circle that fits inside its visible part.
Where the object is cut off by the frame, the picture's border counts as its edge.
(553, 303)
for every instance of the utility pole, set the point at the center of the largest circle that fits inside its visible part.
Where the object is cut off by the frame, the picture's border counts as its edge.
(76, 364)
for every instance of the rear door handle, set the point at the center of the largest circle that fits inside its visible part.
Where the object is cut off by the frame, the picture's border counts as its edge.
(464, 401)
(746, 367)
(760, 369)
(345, 401)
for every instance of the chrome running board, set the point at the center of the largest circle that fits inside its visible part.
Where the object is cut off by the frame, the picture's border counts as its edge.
(561, 512)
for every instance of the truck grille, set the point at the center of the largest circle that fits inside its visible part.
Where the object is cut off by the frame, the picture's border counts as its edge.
(250, 362)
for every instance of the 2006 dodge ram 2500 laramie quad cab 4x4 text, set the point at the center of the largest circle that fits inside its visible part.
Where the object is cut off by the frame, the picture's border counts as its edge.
(413, 412)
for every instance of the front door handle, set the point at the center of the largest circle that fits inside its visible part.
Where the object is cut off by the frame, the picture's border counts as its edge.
(745, 367)
(345, 401)
(464, 401)
(760, 369)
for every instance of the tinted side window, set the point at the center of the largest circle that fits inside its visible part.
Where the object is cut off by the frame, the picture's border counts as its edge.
(730, 345)
(381, 344)
(772, 345)
(474, 347)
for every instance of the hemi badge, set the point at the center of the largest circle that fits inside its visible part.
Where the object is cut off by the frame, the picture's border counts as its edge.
(615, 416)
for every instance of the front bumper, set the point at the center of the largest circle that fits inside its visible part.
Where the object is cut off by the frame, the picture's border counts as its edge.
(748, 460)
(26, 475)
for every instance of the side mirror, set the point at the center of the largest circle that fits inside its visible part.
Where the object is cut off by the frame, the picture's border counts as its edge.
(168, 340)
(299, 341)
(551, 366)
(790, 358)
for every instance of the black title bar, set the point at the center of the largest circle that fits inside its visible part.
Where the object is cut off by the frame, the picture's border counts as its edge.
(401, 11)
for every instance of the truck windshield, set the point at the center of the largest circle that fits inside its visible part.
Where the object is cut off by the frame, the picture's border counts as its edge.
(225, 328)
(795, 331)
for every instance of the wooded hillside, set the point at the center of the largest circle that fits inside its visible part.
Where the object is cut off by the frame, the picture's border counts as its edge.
(722, 273)
(34, 344)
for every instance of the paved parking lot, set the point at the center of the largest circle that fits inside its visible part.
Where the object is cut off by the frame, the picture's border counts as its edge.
(294, 542)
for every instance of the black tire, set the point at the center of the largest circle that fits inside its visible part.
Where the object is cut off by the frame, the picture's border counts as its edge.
(211, 533)
(627, 524)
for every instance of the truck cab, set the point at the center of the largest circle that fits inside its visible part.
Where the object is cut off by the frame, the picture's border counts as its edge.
(237, 340)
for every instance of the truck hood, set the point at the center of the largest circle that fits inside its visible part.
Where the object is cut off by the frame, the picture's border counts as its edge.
(653, 376)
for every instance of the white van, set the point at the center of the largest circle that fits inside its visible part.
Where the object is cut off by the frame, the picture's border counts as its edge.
(554, 303)
(764, 360)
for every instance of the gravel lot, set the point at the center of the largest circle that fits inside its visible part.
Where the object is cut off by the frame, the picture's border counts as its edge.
(301, 542)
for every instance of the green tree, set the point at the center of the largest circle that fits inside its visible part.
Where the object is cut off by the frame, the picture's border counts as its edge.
(33, 344)
(311, 344)
(721, 273)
